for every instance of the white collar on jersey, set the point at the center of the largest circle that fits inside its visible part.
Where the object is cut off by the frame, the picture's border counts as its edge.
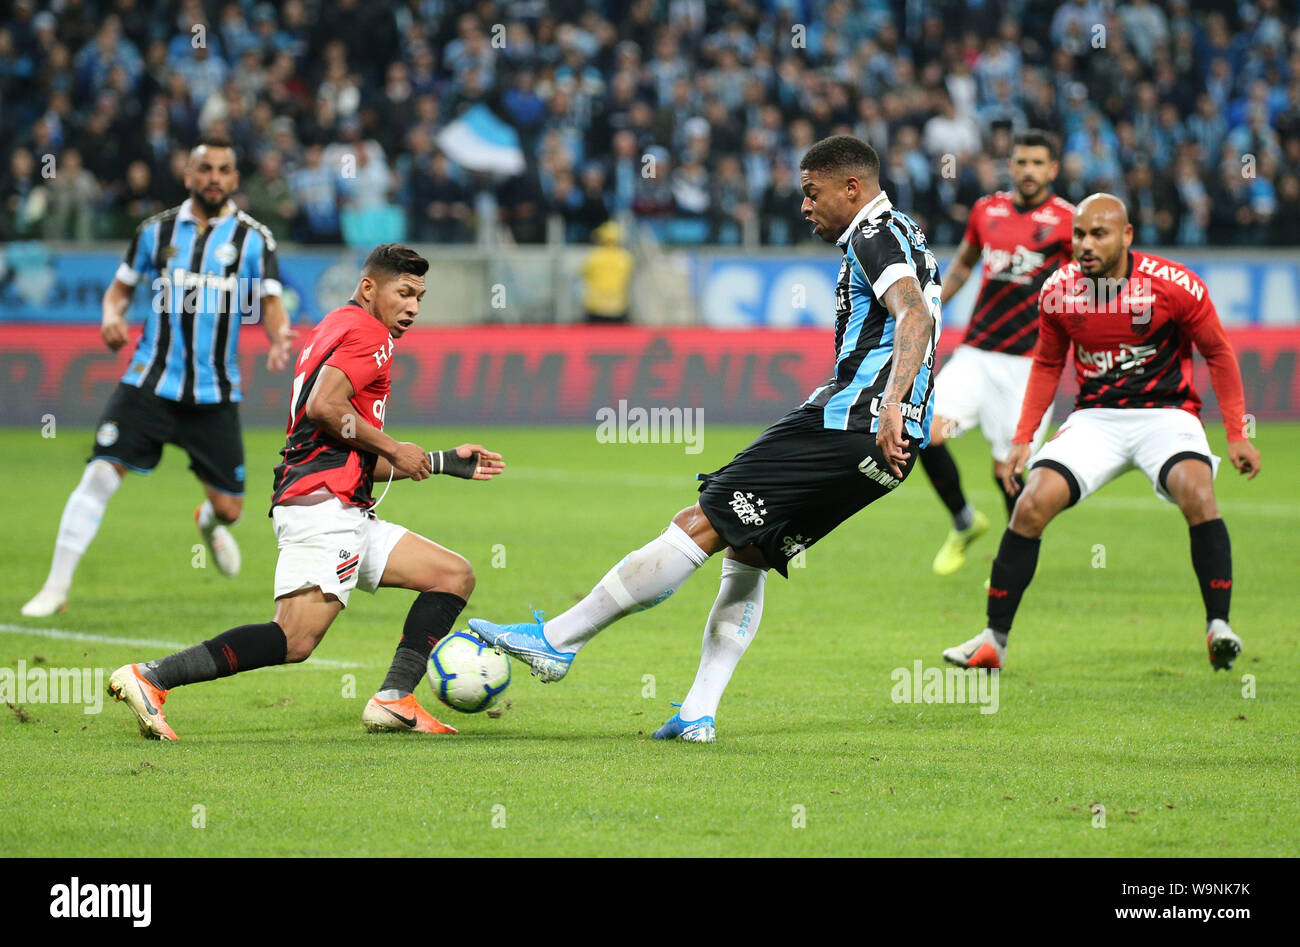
(873, 208)
(187, 211)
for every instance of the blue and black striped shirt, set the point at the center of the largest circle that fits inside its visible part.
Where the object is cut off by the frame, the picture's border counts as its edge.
(203, 284)
(880, 247)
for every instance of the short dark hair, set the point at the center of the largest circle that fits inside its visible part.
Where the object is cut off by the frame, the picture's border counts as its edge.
(215, 141)
(1036, 138)
(392, 259)
(842, 155)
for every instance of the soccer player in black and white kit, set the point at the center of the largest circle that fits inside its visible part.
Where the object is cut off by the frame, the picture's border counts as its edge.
(842, 449)
(207, 265)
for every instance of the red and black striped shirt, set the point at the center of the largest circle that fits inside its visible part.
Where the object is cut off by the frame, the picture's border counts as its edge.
(1132, 343)
(1019, 247)
(357, 344)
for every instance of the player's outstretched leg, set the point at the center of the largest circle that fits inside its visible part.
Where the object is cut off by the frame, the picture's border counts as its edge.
(81, 517)
(733, 622)
(1046, 494)
(968, 524)
(301, 620)
(1191, 484)
(643, 579)
(445, 581)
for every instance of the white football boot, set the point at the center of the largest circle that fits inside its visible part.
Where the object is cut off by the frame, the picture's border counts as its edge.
(46, 602)
(222, 546)
(1222, 643)
(982, 651)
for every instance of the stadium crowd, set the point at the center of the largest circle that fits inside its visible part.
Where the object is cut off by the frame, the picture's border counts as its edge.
(689, 116)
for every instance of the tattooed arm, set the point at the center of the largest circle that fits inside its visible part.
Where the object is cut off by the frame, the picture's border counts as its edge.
(913, 329)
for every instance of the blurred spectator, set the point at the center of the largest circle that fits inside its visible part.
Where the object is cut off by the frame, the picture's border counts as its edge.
(783, 223)
(441, 204)
(134, 202)
(269, 196)
(689, 108)
(24, 197)
(73, 192)
(315, 190)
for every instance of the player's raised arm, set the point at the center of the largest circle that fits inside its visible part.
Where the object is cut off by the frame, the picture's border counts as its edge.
(1225, 375)
(330, 407)
(913, 334)
(959, 270)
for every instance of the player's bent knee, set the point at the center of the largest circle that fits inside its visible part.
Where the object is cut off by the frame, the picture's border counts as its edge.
(460, 577)
(445, 571)
(1199, 505)
(696, 524)
(298, 650)
(1031, 515)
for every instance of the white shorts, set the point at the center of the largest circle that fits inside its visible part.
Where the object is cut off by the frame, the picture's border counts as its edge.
(333, 546)
(1096, 445)
(979, 388)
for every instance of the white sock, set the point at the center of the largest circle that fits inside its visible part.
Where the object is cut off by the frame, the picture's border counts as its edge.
(81, 517)
(642, 580)
(733, 622)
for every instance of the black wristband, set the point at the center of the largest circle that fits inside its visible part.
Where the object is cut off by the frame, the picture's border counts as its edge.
(449, 462)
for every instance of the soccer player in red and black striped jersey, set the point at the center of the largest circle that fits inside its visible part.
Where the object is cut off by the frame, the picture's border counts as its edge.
(330, 540)
(1131, 319)
(1021, 236)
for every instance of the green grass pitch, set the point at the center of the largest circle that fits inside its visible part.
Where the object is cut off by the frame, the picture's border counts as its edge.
(1108, 698)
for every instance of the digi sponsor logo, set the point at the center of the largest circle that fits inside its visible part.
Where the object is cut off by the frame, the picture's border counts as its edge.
(1012, 266)
(1129, 358)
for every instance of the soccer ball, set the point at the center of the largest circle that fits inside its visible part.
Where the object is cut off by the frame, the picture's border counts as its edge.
(466, 673)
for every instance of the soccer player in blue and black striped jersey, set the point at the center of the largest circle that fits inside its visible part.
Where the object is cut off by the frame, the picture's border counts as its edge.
(209, 268)
(843, 448)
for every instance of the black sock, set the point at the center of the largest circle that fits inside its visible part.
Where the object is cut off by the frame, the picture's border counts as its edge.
(239, 649)
(431, 616)
(942, 471)
(1212, 560)
(1010, 501)
(1013, 568)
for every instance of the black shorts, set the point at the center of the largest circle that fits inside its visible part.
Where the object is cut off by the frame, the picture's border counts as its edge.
(794, 484)
(137, 423)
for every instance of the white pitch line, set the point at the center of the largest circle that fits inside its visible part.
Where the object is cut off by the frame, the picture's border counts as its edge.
(60, 634)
